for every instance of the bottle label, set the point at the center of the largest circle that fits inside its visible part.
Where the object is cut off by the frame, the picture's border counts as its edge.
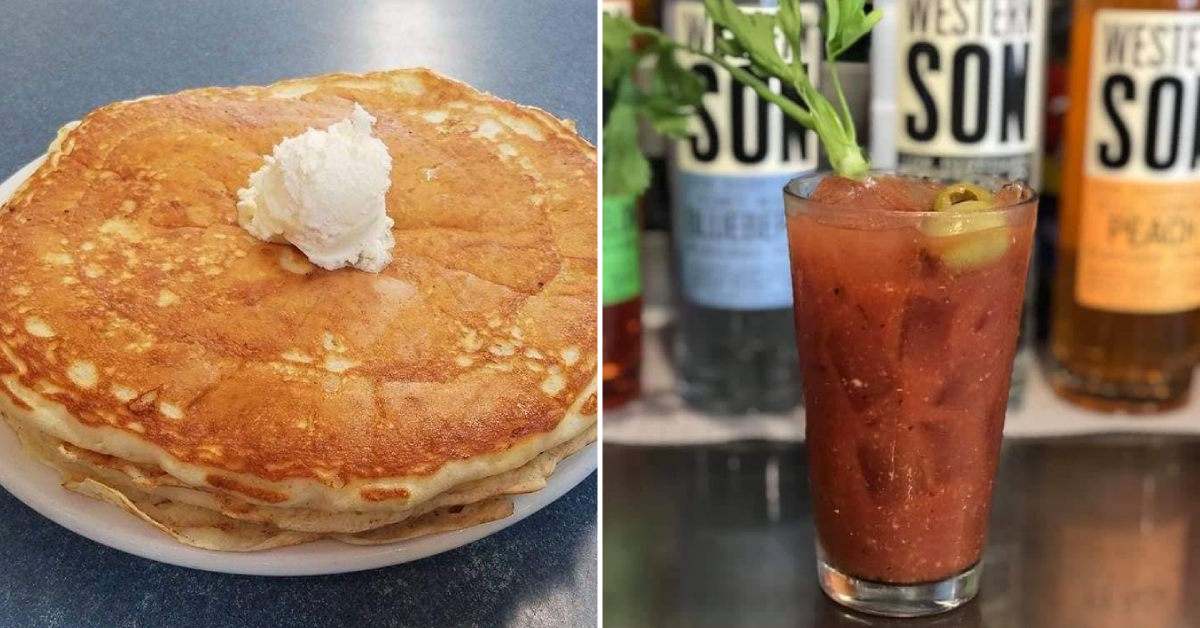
(732, 239)
(617, 7)
(621, 272)
(1139, 234)
(969, 95)
(729, 175)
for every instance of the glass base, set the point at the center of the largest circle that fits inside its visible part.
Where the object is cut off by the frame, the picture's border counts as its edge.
(898, 600)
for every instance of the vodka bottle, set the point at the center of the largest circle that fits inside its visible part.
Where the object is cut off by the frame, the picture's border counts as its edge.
(733, 344)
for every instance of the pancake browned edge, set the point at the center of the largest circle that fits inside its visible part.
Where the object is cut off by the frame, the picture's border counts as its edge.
(239, 398)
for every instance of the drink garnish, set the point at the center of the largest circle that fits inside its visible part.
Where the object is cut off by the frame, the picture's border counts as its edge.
(961, 192)
(747, 50)
(966, 233)
(665, 101)
(976, 249)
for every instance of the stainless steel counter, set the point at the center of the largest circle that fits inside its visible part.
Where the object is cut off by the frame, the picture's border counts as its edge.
(1086, 532)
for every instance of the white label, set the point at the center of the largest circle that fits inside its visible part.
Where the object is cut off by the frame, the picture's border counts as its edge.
(1144, 95)
(971, 76)
(736, 131)
(617, 7)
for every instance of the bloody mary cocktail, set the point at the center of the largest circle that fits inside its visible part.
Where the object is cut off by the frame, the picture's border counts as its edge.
(908, 297)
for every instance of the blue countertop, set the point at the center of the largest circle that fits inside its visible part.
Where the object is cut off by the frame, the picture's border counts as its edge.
(539, 572)
(60, 59)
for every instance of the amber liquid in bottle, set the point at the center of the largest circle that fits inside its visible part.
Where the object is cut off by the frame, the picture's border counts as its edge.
(1136, 349)
(622, 321)
(622, 352)
(622, 300)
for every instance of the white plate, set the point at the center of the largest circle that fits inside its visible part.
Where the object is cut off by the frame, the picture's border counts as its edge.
(39, 487)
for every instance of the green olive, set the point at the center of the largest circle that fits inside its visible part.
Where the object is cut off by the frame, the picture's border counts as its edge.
(975, 251)
(948, 224)
(964, 233)
(957, 193)
(966, 207)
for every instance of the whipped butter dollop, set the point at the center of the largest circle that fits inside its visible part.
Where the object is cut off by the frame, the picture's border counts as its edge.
(323, 191)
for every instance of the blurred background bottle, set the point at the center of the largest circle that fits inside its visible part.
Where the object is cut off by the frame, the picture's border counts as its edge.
(622, 299)
(621, 293)
(959, 95)
(656, 202)
(1126, 312)
(1054, 119)
(734, 335)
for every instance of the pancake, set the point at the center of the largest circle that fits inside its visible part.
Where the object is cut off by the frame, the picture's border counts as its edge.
(77, 463)
(193, 520)
(150, 336)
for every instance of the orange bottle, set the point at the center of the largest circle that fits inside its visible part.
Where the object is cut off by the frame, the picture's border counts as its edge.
(1126, 324)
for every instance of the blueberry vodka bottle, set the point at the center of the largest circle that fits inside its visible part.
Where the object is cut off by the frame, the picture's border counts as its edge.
(733, 343)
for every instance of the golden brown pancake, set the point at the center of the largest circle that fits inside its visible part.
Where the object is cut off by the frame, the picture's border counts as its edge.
(198, 518)
(139, 321)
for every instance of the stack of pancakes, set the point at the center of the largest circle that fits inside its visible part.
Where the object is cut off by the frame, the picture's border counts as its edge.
(239, 398)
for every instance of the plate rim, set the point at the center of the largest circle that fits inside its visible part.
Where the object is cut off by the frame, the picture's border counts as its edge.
(27, 478)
